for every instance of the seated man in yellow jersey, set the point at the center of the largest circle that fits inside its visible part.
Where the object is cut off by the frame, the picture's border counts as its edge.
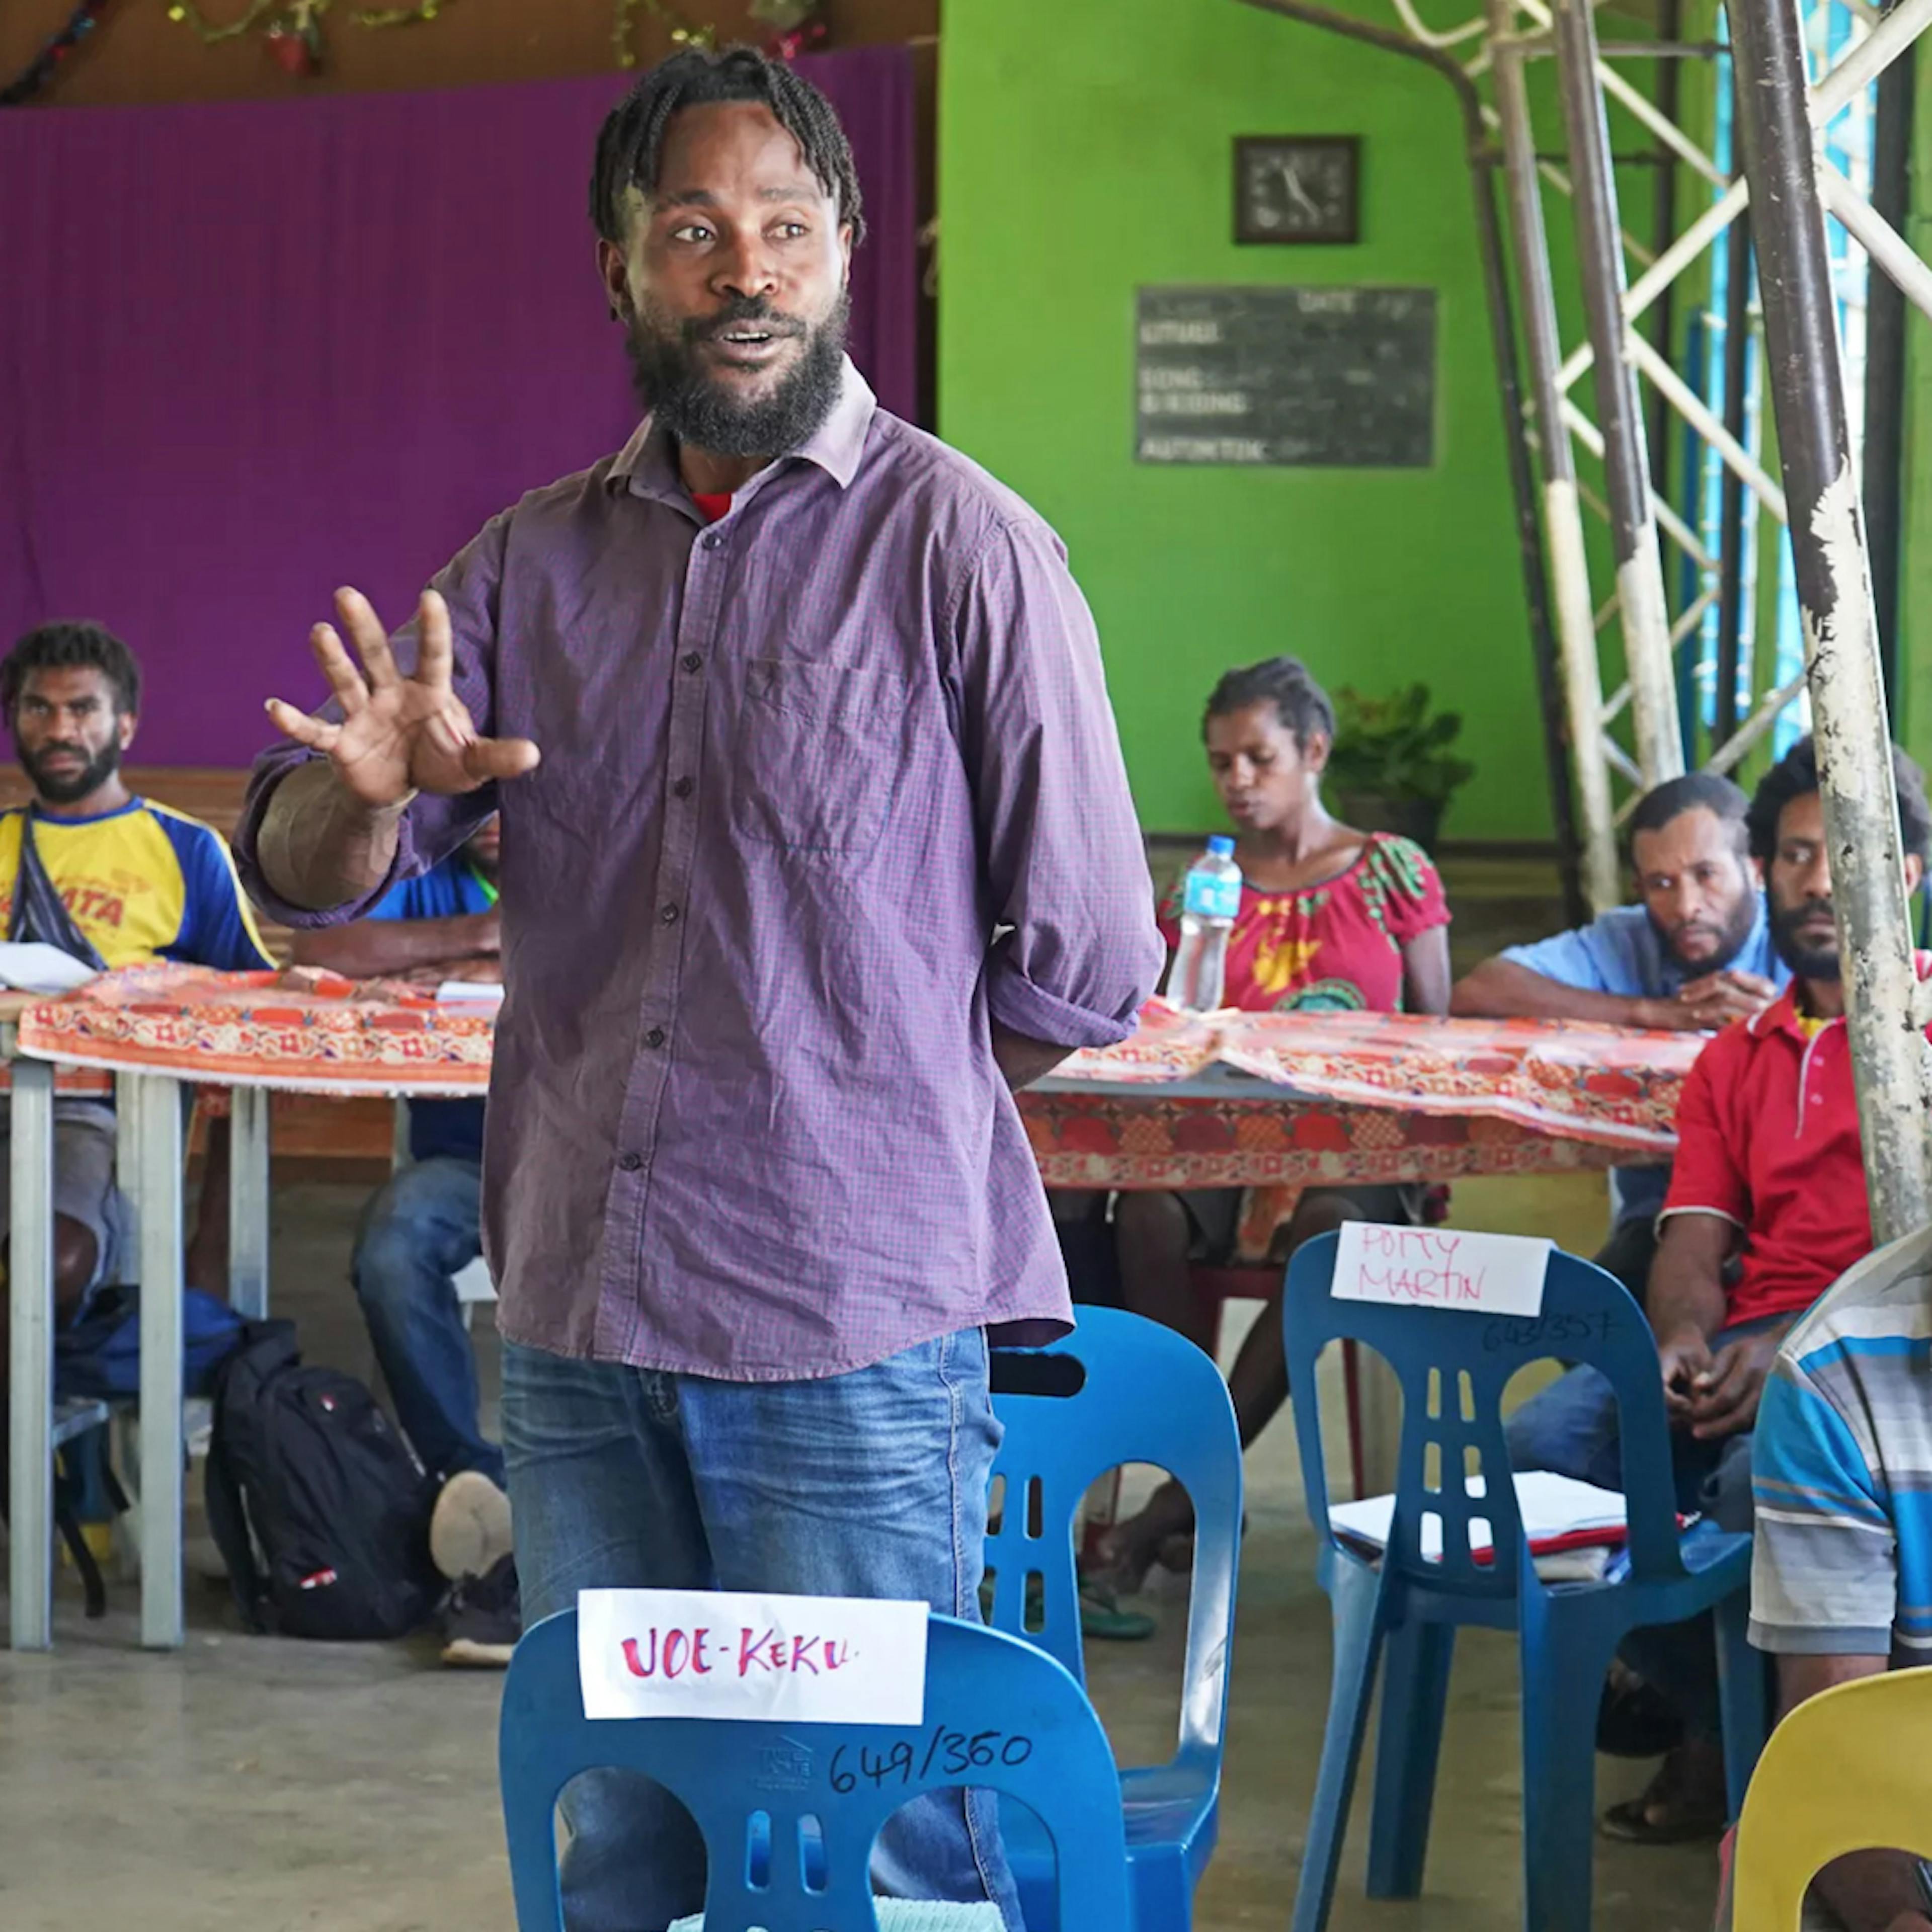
(114, 881)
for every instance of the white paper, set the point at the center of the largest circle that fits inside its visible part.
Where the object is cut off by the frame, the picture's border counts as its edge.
(1551, 1507)
(724, 1654)
(33, 967)
(483, 991)
(1440, 1267)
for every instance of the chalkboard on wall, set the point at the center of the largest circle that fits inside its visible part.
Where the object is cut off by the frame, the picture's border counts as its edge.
(1326, 377)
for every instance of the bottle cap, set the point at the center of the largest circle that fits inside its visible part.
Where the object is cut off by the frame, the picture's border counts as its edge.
(1221, 846)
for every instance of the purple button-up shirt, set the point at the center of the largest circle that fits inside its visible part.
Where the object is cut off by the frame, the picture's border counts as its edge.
(827, 788)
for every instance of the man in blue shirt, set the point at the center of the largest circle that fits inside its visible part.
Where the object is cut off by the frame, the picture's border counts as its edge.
(1694, 955)
(1841, 1581)
(424, 1228)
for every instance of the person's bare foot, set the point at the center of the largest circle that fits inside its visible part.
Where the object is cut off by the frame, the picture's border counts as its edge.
(1132, 1547)
(1683, 1804)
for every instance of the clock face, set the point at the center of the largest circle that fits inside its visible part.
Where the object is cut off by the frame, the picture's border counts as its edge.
(1296, 188)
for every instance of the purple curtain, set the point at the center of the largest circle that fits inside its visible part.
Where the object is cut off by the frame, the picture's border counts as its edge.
(252, 350)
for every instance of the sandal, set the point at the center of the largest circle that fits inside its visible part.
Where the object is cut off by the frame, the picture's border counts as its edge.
(1688, 1802)
(1101, 1615)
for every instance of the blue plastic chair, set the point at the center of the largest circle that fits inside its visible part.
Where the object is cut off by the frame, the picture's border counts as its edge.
(752, 1786)
(1453, 1367)
(1148, 1395)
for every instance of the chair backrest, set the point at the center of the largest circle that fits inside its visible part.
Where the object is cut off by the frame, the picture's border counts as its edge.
(1454, 1365)
(1147, 1396)
(1846, 1771)
(783, 1806)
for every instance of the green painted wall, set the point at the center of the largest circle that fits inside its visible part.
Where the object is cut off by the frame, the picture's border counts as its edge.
(1085, 150)
(1912, 714)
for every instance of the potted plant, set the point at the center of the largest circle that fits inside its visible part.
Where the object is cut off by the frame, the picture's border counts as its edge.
(1391, 769)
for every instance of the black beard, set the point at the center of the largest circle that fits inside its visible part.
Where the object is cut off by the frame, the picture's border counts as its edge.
(1730, 942)
(70, 790)
(1804, 962)
(671, 387)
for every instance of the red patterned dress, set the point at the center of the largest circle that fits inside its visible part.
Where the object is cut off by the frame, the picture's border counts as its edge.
(1337, 946)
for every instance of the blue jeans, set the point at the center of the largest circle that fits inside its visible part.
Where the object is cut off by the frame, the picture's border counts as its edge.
(871, 1483)
(421, 1230)
(1571, 1427)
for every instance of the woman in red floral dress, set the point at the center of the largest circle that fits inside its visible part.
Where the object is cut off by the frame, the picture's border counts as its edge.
(1331, 918)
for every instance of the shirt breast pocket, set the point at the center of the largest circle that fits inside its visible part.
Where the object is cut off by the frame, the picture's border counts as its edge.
(819, 753)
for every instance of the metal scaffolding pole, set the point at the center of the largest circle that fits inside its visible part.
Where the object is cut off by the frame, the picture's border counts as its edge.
(1841, 644)
(1502, 337)
(1735, 533)
(1648, 652)
(1885, 362)
(1562, 511)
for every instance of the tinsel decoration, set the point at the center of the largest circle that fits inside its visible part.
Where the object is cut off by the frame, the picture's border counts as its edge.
(293, 28)
(800, 26)
(623, 29)
(38, 74)
(185, 13)
(402, 17)
(296, 39)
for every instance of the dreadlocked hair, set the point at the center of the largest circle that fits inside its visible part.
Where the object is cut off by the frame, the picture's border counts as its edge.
(631, 143)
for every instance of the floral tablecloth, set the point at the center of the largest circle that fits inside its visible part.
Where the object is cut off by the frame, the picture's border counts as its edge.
(300, 1031)
(1375, 1097)
(1360, 1097)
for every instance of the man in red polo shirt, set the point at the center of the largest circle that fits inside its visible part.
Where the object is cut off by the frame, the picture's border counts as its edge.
(1766, 1209)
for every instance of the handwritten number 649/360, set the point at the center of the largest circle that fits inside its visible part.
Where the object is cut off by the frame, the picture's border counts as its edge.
(952, 1753)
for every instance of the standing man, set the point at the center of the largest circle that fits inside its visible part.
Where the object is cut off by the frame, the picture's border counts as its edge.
(829, 848)
(1695, 955)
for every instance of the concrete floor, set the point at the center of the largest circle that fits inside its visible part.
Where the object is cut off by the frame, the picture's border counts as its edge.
(264, 1784)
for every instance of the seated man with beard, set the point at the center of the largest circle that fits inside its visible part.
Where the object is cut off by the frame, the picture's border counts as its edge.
(114, 881)
(1694, 955)
(1766, 1209)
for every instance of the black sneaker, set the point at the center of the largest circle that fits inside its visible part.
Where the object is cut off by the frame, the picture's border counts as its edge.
(484, 1619)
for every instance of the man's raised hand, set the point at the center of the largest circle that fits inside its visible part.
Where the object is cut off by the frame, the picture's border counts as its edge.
(397, 735)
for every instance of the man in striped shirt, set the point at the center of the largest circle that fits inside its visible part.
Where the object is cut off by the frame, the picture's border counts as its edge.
(1841, 1583)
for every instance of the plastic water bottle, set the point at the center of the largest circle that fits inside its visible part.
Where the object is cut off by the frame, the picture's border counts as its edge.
(1210, 900)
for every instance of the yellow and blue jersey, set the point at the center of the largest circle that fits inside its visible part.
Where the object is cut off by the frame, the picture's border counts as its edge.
(143, 883)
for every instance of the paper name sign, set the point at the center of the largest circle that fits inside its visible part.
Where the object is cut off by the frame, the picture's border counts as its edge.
(1440, 1267)
(724, 1654)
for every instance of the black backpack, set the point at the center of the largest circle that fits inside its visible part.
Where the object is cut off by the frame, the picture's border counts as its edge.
(320, 1511)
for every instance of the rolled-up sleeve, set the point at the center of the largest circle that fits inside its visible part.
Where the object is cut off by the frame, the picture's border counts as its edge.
(1059, 842)
(433, 827)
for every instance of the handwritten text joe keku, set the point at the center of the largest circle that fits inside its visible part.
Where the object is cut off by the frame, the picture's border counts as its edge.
(747, 1652)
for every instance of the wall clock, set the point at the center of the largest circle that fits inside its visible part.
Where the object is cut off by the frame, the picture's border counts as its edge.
(1297, 187)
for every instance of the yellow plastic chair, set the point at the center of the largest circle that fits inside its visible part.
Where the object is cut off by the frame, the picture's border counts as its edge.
(1846, 1771)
